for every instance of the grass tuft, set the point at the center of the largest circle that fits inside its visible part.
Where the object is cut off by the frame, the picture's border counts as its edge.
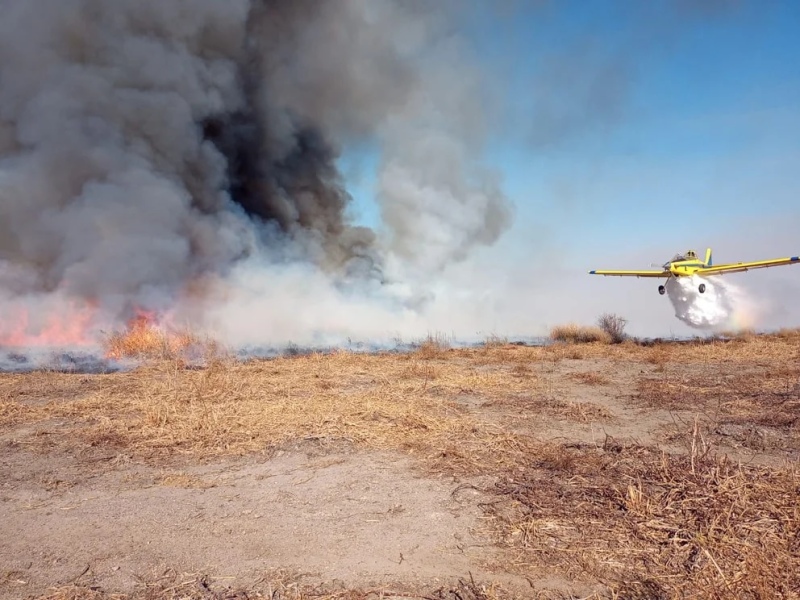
(433, 347)
(579, 334)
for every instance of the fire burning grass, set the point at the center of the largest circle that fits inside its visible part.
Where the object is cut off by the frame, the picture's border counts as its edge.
(67, 325)
(145, 338)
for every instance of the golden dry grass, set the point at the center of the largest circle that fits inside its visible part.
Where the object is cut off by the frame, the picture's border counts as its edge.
(652, 525)
(399, 401)
(579, 334)
(434, 346)
(757, 409)
(591, 378)
(644, 523)
(278, 586)
(404, 403)
(788, 333)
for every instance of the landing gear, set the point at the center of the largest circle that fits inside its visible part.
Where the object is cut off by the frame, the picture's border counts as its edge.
(662, 290)
(702, 288)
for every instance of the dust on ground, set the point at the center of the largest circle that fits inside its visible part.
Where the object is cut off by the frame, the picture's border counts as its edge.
(659, 470)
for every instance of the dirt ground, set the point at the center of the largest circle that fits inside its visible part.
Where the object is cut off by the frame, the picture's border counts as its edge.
(574, 470)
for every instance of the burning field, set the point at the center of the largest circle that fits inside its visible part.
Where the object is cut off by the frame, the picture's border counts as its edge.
(629, 470)
(175, 227)
(183, 159)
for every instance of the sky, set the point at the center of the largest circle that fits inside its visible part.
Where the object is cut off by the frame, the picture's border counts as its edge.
(628, 132)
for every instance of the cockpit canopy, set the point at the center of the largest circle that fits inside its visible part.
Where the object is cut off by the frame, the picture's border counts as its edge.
(690, 255)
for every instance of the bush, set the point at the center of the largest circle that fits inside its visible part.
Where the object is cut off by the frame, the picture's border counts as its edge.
(614, 326)
(579, 334)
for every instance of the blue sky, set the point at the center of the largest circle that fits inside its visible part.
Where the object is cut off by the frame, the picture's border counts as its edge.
(636, 127)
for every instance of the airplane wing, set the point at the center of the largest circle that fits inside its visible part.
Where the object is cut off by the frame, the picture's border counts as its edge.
(746, 266)
(661, 273)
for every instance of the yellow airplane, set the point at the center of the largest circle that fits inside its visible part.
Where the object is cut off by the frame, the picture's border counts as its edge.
(690, 264)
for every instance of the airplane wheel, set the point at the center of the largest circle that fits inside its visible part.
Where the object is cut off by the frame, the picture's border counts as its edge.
(702, 288)
(662, 290)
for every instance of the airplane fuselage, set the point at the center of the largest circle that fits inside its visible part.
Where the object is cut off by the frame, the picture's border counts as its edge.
(685, 268)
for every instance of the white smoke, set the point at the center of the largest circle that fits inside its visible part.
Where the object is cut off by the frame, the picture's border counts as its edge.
(723, 306)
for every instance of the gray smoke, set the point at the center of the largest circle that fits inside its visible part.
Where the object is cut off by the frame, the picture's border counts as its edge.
(146, 145)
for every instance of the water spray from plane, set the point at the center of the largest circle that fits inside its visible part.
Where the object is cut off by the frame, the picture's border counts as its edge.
(722, 307)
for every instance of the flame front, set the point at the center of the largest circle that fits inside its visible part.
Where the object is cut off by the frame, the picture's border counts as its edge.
(69, 325)
(56, 322)
(149, 334)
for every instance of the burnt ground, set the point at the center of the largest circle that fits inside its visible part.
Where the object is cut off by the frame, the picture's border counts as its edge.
(595, 470)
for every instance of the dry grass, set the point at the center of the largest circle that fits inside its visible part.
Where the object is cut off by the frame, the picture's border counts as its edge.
(145, 340)
(495, 341)
(743, 334)
(788, 334)
(643, 523)
(591, 378)
(759, 410)
(373, 401)
(757, 351)
(183, 480)
(652, 525)
(408, 402)
(433, 347)
(579, 334)
(276, 586)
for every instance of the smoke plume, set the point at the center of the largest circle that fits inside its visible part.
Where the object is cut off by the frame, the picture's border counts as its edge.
(152, 152)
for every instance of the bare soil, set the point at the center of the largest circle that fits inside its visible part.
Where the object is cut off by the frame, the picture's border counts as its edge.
(575, 470)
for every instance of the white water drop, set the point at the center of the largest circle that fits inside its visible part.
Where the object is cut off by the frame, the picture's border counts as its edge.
(722, 305)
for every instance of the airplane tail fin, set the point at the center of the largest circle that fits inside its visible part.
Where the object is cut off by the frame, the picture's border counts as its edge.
(708, 257)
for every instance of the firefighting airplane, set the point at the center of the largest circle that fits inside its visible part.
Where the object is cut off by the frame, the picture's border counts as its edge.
(690, 264)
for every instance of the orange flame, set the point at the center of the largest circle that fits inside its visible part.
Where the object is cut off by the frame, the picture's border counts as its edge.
(148, 334)
(69, 326)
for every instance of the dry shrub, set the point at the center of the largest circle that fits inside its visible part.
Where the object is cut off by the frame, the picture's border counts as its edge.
(653, 525)
(579, 334)
(614, 326)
